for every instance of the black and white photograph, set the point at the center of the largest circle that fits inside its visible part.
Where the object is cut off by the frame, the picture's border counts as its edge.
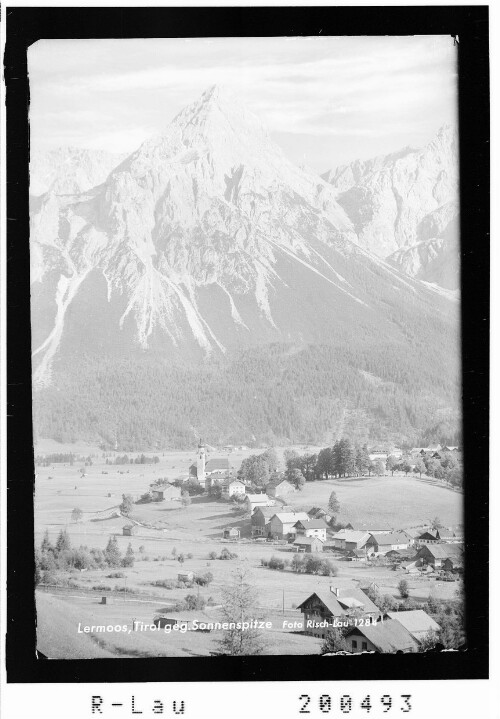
(247, 430)
(245, 317)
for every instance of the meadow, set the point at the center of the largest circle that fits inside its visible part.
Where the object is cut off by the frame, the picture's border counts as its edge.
(197, 530)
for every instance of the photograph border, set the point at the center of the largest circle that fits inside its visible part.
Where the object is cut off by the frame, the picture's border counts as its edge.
(469, 26)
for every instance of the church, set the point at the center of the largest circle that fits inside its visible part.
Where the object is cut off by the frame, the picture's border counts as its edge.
(207, 470)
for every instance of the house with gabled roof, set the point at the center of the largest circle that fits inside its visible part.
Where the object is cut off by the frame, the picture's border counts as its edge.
(311, 528)
(323, 609)
(381, 543)
(434, 555)
(257, 500)
(308, 544)
(417, 622)
(279, 488)
(282, 524)
(260, 519)
(350, 539)
(384, 637)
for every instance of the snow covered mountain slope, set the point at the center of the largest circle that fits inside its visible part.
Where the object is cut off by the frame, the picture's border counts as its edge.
(435, 257)
(70, 170)
(389, 198)
(207, 240)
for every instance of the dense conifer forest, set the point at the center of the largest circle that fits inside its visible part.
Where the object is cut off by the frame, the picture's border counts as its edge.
(265, 395)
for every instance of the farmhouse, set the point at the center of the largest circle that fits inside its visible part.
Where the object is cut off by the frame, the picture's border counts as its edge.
(257, 500)
(231, 487)
(308, 544)
(453, 564)
(322, 608)
(436, 554)
(231, 533)
(280, 488)
(384, 637)
(186, 576)
(350, 539)
(282, 523)
(386, 541)
(356, 555)
(416, 622)
(311, 528)
(129, 529)
(168, 493)
(259, 519)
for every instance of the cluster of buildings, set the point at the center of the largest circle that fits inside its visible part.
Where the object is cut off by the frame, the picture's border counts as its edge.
(367, 628)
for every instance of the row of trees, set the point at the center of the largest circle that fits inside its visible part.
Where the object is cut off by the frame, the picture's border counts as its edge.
(140, 459)
(61, 556)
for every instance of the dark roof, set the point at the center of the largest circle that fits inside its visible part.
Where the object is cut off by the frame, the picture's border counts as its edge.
(315, 510)
(347, 597)
(217, 463)
(266, 511)
(387, 636)
(443, 551)
(312, 524)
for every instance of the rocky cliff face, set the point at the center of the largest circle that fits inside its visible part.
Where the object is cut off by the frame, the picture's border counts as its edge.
(70, 170)
(400, 200)
(208, 239)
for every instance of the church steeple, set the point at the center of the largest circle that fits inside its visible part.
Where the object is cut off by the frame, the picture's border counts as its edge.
(200, 462)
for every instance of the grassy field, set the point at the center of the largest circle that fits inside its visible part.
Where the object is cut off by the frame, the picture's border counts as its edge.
(391, 501)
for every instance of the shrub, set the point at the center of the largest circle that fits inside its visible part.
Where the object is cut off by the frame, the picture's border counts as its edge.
(165, 583)
(192, 601)
(102, 588)
(123, 589)
(264, 562)
(298, 563)
(115, 575)
(313, 565)
(142, 549)
(404, 589)
(204, 580)
(276, 563)
(226, 554)
(328, 569)
(189, 556)
(212, 555)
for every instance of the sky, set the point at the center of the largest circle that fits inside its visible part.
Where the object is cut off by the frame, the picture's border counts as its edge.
(326, 100)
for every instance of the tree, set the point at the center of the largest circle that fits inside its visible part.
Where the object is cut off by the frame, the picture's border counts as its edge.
(185, 499)
(404, 589)
(239, 606)
(429, 641)
(254, 470)
(378, 467)
(112, 553)
(334, 641)
(291, 458)
(129, 558)
(270, 456)
(362, 460)
(325, 465)
(436, 523)
(419, 467)
(333, 504)
(174, 552)
(181, 559)
(406, 467)
(127, 504)
(76, 514)
(391, 464)
(296, 478)
(63, 542)
(46, 545)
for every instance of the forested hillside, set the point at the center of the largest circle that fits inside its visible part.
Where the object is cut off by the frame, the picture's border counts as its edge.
(278, 393)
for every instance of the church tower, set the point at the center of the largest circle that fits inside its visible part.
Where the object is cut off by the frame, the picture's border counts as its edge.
(200, 464)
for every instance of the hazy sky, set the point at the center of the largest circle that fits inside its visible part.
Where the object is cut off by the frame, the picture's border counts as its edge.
(326, 100)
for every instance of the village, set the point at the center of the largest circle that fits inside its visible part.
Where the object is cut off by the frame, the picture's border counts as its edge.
(369, 559)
